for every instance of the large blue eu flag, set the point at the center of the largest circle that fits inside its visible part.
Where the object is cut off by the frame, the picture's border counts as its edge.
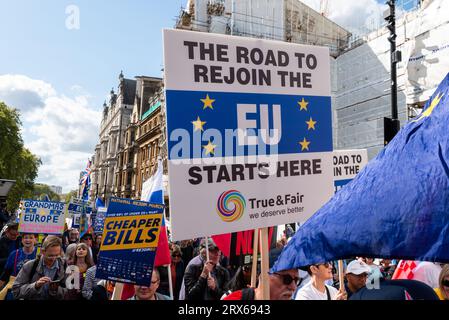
(398, 205)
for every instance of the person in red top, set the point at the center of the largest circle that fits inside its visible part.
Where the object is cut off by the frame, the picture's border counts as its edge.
(282, 286)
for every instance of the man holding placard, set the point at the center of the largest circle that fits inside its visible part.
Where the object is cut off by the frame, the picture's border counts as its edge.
(205, 279)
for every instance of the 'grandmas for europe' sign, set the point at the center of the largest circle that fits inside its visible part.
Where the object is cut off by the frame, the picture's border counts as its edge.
(249, 132)
(42, 217)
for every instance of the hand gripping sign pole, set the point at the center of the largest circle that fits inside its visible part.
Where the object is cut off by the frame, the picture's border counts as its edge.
(255, 261)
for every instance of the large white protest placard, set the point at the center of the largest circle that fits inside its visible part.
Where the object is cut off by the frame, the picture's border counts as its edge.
(249, 130)
(42, 217)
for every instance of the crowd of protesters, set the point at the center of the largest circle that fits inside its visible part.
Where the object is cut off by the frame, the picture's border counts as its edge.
(26, 273)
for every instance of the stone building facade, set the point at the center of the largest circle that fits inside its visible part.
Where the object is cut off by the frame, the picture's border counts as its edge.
(132, 137)
(116, 118)
(142, 138)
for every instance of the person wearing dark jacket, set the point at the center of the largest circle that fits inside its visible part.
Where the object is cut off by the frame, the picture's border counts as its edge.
(177, 270)
(187, 251)
(205, 280)
(43, 278)
(9, 242)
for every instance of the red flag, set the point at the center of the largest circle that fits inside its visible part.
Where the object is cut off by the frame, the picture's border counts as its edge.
(128, 291)
(405, 270)
(163, 256)
(223, 242)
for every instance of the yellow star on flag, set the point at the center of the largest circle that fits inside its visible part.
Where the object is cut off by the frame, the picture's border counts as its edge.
(198, 124)
(311, 124)
(210, 148)
(304, 144)
(207, 102)
(303, 104)
(430, 109)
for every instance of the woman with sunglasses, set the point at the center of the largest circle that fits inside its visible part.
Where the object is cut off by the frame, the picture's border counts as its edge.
(177, 270)
(317, 289)
(443, 289)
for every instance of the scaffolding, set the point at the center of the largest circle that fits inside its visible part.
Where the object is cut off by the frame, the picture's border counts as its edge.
(285, 20)
(361, 81)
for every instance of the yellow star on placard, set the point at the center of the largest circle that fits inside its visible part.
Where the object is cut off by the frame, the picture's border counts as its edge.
(303, 104)
(207, 102)
(198, 124)
(304, 144)
(210, 148)
(311, 124)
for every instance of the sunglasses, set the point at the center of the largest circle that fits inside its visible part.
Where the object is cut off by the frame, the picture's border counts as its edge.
(288, 279)
(175, 255)
(446, 283)
(326, 264)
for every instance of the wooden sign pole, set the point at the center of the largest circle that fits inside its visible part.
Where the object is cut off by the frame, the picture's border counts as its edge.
(207, 249)
(264, 264)
(170, 282)
(118, 290)
(255, 260)
(341, 275)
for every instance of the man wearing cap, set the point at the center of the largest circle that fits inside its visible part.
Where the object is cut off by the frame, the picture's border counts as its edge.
(205, 280)
(357, 272)
(9, 243)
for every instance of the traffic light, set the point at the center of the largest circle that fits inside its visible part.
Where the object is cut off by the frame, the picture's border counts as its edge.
(391, 127)
(390, 17)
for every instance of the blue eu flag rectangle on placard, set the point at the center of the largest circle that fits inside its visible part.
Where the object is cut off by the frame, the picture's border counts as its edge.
(300, 117)
(397, 207)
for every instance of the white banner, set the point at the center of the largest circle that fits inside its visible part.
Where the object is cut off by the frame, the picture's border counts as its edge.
(249, 130)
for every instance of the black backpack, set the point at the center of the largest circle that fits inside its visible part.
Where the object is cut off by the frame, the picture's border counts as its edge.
(33, 268)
